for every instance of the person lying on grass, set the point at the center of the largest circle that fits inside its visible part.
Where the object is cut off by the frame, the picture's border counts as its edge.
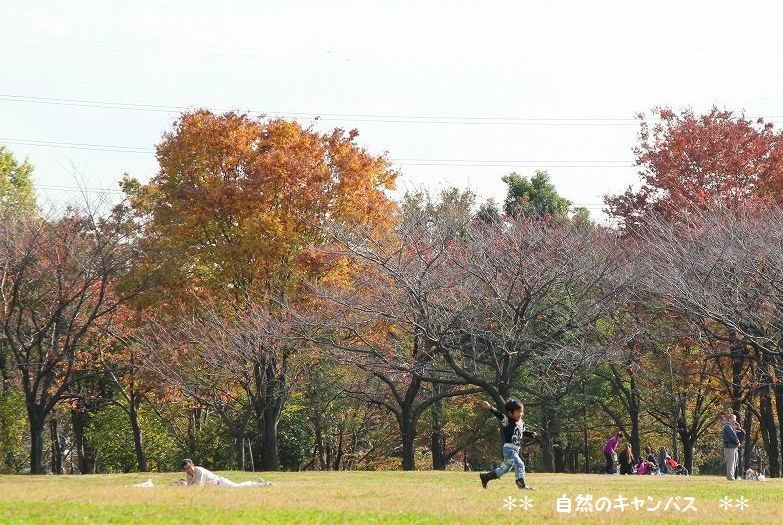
(514, 436)
(202, 477)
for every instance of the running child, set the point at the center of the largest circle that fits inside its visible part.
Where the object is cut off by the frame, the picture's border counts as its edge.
(513, 435)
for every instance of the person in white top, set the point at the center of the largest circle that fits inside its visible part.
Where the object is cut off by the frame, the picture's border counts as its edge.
(202, 477)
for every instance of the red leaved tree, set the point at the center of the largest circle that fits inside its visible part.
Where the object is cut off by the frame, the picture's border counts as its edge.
(688, 160)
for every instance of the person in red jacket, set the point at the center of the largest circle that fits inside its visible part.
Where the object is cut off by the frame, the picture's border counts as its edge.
(673, 466)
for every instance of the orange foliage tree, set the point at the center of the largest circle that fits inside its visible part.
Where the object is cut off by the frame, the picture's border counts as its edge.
(237, 213)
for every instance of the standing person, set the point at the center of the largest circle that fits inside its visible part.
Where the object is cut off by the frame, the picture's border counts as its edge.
(732, 435)
(662, 465)
(650, 456)
(200, 476)
(652, 462)
(626, 459)
(513, 434)
(610, 451)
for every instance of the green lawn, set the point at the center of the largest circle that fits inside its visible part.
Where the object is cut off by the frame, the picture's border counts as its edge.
(375, 497)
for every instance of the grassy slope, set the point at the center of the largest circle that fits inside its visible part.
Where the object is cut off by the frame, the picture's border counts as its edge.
(368, 497)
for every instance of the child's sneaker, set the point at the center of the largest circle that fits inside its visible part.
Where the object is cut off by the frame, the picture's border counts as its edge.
(522, 486)
(486, 477)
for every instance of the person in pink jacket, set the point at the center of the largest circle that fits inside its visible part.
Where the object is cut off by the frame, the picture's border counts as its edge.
(610, 452)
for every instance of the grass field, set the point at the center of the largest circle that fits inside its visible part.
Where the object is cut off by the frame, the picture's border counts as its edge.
(376, 497)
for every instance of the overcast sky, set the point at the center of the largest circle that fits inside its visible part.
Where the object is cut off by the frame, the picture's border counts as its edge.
(459, 93)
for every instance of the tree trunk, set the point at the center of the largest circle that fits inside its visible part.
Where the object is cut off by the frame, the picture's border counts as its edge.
(338, 456)
(778, 389)
(5, 374)
(36, 422)
(408, 420)
(270, 459)
(438, 460)
(56, 449)
(239, 451)
(560, 459)
(319, 450)
(737, 361)
(687, 452)
(194, 424)
(585, 432)
(747, 445)
(769, 431)
(85, 453)
(269, 393)
(633, 411)
(328, 455)
(574, 459)
(437, 442)
(408, 431)
(550, 431)
(138, 444)
(675, 412)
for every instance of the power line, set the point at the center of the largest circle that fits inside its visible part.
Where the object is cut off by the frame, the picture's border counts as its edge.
(539, 161)
(402, 161)
(341, 55)
(77, 189)
(76, 145)
(512, 165)
(80, 189)
(358, 117)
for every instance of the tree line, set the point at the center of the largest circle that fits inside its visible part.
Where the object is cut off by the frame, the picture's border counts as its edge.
(263, 303)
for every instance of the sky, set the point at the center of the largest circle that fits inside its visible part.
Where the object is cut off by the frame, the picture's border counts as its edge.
(457, 92)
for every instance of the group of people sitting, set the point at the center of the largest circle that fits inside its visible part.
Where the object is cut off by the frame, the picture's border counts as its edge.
(646, 463)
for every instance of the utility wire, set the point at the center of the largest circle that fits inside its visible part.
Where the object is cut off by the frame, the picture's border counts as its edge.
(358, 117)
(79, 189)
(402, 161)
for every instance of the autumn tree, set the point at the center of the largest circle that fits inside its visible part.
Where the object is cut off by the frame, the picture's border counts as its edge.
(529, 300)
(90, 392)
(121, 355)
(638, 333)
(721, 269)
(348, 429)
(59, 281)
(690, 163)
(686, 160)
(219, 359)
(511, 308)
(238, 206)
(665, 375)
(16, 196)
(375, 324)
